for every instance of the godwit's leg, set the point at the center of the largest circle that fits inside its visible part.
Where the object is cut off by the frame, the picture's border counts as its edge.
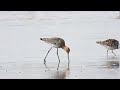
(68, 61)
(58, 59)
(46, 56)
(113, 52)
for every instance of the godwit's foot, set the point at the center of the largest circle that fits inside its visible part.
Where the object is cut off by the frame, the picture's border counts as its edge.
(45, 63)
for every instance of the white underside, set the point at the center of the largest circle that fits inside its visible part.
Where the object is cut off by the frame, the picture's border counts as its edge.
(55, 46)
(109, 48)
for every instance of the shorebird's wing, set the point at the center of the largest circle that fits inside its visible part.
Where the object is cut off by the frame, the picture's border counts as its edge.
(111, 42)
(107, 42)
(54, 41)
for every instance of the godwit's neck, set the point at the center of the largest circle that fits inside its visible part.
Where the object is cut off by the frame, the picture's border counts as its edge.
(64, 47)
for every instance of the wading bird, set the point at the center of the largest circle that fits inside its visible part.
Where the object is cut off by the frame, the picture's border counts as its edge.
(110, 44)
(57, 43)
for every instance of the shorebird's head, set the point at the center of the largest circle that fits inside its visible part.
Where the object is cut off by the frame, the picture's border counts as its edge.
(67, 49)
(99, 42)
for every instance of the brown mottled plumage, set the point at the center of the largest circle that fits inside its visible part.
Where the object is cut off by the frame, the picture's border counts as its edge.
(57, 43)
(110, 44)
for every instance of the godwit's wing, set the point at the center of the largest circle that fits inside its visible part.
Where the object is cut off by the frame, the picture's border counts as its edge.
(57, 42)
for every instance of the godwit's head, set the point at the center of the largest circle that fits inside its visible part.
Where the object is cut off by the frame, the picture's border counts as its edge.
(67, 49)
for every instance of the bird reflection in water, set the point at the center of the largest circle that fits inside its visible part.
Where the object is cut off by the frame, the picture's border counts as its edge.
(112, 63)
(60, 74)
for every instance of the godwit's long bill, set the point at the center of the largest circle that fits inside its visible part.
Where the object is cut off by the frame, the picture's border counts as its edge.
(57, 43)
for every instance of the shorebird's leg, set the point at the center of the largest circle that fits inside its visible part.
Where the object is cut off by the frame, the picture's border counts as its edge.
(46, 56)
(107, 53)
(113, 52)
(58, 59)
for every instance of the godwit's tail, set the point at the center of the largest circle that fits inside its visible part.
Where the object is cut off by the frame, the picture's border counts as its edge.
(45, 39)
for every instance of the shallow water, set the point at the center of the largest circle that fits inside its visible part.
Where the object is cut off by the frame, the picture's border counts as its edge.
(22, 53)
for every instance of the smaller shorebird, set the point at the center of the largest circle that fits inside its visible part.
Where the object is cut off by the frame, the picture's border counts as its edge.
(57, 43)
(110, 44)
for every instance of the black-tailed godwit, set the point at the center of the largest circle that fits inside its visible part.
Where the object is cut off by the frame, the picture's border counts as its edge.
(57, 43)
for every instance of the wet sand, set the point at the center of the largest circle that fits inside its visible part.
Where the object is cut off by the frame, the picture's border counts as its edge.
(108, 69)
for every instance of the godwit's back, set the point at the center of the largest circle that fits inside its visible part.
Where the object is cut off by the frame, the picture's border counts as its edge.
(57, 42)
